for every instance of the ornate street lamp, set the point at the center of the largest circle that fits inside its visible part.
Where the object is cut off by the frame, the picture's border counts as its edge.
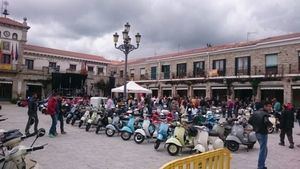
(126, 48)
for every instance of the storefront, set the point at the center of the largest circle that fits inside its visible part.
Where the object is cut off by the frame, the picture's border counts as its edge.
(154, 92)
(268, 93)
(219, 93)
(182, 91)
(243, 93)
(34, 88)
(200, 92)
(167, 92)
(296, 95)
(5, 90)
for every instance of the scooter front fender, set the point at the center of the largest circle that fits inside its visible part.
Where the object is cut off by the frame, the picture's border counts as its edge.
(233, 138)
(200, 148)
(175, 141)
(110, 126)
(218, 143)
(90, 121)
(160, 137)
(83, 118)
(127, 129)
(141, 131)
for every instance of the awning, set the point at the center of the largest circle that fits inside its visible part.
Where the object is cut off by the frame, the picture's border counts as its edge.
(166, 88)
(34, 84)
(271, 88)
(155, 88)
(242, 88)
(199, 88)
(181, 88)
(6, 82)
(295, 87)
(218, 87)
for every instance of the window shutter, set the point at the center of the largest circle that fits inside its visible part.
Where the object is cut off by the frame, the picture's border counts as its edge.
(214, 64)
(224, 67)
(236, 66)
(249, 65)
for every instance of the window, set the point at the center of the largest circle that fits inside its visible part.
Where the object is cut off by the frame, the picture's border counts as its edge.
(131, 72)
(181, 70)
(90, 69)
(5, 59)
(29, 64)
(220, 65)
(6, 45)
(142, 73)
(52, 65)
(72, 67)
(153, 73)
(299, 60)
(242, 66)
(100, 70)
(15, 36)
(271, 64)
(199, 68)
(166, 71)
(121, 73)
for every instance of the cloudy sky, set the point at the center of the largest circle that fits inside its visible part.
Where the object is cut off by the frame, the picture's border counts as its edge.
(165, 25)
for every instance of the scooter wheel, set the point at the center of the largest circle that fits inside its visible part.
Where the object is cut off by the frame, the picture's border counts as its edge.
(271, 130)
(156, 144)
(80, 123)
(68, 120)
(88, 126)
(232, 146)
(139, 138)
(73, 121)
(173, 149)
(109, 132)
(125, 135)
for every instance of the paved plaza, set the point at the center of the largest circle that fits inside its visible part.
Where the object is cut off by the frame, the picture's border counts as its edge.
(86, 150)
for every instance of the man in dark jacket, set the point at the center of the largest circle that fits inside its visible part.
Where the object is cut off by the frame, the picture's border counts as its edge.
(260, 122)
(32, 114)
(60, 115)
(287, 124)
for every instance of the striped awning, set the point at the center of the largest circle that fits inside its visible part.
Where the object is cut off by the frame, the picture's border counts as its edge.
(34, 84)
(167, 88)
(154, 88)
(6, 82)
(243, 88)
(218, 87)
(181, 88)
(199, 88)
(295, 87)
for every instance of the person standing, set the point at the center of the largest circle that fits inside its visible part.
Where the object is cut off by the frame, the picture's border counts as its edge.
(287, 124)
(260, 122)
(32, 114)
(51, 110)
(230, 106)
(60, 115)
(277, 112)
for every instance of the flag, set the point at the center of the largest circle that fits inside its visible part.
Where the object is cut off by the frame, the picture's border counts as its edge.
(12, 52)
(16, 54)
(83, 68)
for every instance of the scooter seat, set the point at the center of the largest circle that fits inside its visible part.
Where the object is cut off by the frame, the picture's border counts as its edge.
(11, 135)
(213, 133)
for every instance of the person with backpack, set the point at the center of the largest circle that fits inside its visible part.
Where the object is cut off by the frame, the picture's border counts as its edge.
(51, 110)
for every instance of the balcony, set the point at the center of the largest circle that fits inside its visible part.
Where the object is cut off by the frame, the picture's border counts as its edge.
(241, 72)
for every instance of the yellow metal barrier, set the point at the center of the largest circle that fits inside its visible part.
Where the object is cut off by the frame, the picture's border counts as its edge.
(216, 159)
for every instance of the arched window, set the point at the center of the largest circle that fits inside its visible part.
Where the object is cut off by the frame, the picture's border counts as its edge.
(15, 36)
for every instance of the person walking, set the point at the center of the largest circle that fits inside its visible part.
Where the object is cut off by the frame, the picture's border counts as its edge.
(260, 122)
(51, 110)
(287, 124)
(60, 115)
(32, 114)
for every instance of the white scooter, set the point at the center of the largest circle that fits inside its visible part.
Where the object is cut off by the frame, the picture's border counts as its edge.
(148, 131)
(16, 157)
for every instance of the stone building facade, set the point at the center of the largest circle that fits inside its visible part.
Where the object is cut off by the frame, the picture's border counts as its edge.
(26, 68)
(260, 69)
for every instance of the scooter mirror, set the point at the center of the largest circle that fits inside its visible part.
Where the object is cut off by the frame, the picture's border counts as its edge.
(41, 132)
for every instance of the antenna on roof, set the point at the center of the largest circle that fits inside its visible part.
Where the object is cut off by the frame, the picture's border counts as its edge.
(5, 12)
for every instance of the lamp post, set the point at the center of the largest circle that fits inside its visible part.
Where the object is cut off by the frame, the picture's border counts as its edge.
(126, 48)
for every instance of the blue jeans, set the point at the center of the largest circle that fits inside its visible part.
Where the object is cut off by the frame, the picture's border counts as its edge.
(53, 125)
(263, 150)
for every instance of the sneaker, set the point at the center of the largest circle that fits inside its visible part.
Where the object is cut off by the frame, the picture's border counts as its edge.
(281, 144)
(55, 134)
(63, 132)
(298, 145)
(51, 135)
(291, 146)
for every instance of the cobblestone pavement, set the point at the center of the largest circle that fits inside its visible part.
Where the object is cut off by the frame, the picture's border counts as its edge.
(86, 150)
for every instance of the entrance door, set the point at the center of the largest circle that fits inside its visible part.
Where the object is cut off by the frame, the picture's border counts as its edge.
(270, 94)
(5, 91)
(182, 93)
(33, 89)
(167, 93)
(243, 94)
(296, 97)
(200, 93)
(154, 92)
(219, 94)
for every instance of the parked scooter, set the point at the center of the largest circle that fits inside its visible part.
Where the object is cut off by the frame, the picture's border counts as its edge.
(93, 120)
(163, 134)
(115, 126)
(241, 133)
(16, 157)
(87, 115)
(147, 131)
(78, 114)
(129, 129)
(102, 121)
(71, 114)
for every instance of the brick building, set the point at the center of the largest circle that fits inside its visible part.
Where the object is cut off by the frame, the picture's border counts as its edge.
(265, 68)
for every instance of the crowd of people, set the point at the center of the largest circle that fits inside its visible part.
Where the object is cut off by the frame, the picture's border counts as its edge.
(284, 114)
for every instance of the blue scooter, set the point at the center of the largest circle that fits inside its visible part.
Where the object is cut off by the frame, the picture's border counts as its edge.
(131, 126)
(163, 134)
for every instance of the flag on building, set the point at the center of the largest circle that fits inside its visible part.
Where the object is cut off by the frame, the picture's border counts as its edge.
(16, 53)
(12, 52)
(83, 68)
